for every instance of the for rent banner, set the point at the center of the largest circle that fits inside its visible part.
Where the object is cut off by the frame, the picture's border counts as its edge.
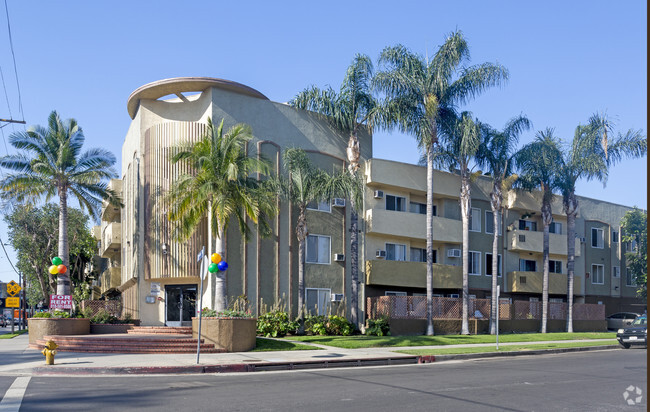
(60, 301)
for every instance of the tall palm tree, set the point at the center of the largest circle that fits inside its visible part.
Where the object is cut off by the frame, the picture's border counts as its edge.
(460, 141)
(53, 164)
(350, 109)
(538, 163)
(306, 184)
(219, 185)
(422, 93)
(496, 154)
(589, 157)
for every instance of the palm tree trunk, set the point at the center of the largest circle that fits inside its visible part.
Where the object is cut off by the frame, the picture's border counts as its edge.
(220, 277)
(496, 210)
(571, 209)
(430, 239)
(353, 155)
(547, 217)
(63, 280)
(465, 214)
(301, 233)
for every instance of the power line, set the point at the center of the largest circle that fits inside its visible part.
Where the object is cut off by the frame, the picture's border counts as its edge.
(7, 255)
(13, 55)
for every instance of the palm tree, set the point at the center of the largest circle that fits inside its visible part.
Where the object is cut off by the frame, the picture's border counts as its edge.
(348, 110)
(422, 93)
(538, 162)
(54, 165)
(306, 184)
(496, 154)
(590, 155)
(460, 143)
(220, 185)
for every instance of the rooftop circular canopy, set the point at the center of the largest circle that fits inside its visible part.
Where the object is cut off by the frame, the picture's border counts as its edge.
(178, 85)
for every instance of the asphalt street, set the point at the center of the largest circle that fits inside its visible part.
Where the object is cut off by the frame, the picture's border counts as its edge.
(588, 381)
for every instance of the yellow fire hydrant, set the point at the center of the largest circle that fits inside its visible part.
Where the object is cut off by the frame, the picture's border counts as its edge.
(49, 352)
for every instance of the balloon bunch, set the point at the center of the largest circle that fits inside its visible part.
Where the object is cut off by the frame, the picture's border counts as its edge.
(217, 264)
(57, 268)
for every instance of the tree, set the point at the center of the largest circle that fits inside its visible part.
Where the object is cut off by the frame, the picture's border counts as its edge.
(219, 185)
(460, 143)
(305, 184)
(589, 156)
(634, 228)
(538, 162)
(497, 153)
(352, 108)
(52, 164)
(33, 232)
(421, 94)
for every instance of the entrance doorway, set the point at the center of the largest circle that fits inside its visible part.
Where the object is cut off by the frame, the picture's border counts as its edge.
(180, 302)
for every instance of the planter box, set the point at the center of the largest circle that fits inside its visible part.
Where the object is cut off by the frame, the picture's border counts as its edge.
(39, 327)
(103, 328)
(231, 334)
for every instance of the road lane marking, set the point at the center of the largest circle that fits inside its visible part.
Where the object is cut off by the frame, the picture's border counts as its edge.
(14, 395)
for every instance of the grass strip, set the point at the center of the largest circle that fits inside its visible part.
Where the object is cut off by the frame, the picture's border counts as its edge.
(13, 335)
(509, 348)
(266, 345)
(362, 341)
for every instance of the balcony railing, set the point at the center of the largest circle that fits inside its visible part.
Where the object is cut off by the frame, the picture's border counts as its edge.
(111, 240)
(412, 274)
(531, 282)
(413, 225)
(529, 241)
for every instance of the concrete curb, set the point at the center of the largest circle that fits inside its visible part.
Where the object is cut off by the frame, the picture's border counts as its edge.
(297, 365)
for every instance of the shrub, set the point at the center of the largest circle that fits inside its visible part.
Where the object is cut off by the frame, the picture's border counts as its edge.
(42, 315)
(275, 324)
(378, 327)
(228, 313)
(338, 325)
(102, 316)
(316, 325)
(56, 313)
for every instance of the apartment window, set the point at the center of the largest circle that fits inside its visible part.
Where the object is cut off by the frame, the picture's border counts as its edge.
(598, 274)
(395, 251)
(630, 279)
(318, 301)
(420, 255)
(614, 236)
(616, 271)
(597, 238)
(394, 293)
(323, 206)
(318, 249)
(474, 262)
(488, 264)
(556, 228)
(527, 225)
(475, 220)
(555, 266)
(489, 222)
(397, 203)
(526, 265)
(421, 208)
(453, 295)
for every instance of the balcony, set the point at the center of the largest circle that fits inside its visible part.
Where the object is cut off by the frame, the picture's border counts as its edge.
(97, 232)
(412, 225)
(412, 274)
(531, 282)
(111, 278)
(111, 240)
(111, 213)
(529, 241)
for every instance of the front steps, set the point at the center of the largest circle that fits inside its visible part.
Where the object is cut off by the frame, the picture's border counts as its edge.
(160, 330)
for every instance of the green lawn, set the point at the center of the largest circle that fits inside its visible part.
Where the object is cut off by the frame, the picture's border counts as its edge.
(264, 345)
(509, 348)
(362, 341)
(13, 335)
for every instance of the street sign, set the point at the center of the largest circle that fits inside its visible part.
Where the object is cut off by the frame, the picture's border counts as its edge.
(13, 288)
(13, 302)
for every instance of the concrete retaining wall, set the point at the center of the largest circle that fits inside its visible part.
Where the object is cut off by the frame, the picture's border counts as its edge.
(39, 327)
(233, 335)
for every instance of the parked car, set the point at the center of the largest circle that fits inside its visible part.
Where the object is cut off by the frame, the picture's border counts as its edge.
(3, 321)
(635, 334)
(620, 320)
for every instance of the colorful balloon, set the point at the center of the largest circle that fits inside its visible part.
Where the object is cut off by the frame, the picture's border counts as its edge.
(56, 261)
(222, 265)
(215, 258)
(54, 269)
(213, 268)
(62, 269)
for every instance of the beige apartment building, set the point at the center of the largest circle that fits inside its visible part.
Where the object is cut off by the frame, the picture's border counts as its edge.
(157, 277)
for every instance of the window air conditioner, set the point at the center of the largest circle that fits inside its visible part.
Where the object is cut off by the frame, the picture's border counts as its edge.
(337, 297)
(454, 253)
(339, 257)
(379, 194)
(338, 202)
(380, 254)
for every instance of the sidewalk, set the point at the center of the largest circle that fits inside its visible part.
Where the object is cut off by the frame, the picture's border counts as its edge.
(18, 360)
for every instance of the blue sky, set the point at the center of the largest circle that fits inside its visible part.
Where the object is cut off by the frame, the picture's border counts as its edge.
(567, 60)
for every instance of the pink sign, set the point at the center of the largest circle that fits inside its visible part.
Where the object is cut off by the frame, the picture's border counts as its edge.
(60, 301)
